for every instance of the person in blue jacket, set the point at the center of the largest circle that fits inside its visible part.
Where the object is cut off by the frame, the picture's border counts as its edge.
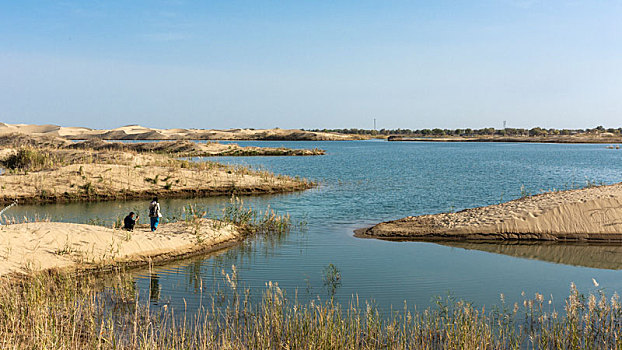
(154, 213)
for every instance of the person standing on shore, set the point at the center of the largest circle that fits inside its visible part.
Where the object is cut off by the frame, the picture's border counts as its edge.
(154, 213)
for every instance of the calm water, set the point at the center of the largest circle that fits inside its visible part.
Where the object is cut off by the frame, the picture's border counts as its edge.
(365, 182)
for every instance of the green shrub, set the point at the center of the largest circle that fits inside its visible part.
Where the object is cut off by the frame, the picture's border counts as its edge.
(27, 159)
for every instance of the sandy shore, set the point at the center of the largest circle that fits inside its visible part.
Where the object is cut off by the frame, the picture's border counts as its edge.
(137, 132)
(591, 214)
(53, 245)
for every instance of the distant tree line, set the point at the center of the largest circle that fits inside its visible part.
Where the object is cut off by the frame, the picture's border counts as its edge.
(537, 131)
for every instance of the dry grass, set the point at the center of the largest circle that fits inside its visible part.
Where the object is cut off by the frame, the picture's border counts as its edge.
(53, 311)
(54, 175)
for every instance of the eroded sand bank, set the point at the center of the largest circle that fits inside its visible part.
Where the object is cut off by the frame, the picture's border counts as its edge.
(39, 246)
(591, 214)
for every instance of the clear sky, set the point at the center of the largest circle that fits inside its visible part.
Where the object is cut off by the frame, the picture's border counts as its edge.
(311, 64)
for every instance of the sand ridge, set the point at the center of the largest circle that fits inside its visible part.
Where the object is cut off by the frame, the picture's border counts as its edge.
(590, 214)
(39, 246)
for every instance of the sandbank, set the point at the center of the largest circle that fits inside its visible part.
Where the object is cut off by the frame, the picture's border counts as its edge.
(585, 215)
(30, 247)
(64, 175)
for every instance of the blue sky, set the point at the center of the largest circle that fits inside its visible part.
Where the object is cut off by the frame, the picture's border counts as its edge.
(311, 64)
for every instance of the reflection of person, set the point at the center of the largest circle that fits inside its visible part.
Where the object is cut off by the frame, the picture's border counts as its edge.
(154, 287)
(129, 222)
(154, 213)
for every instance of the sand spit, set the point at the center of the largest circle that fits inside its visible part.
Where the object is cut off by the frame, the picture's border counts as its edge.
(40, 246)
(592, 215)
(579, 138)
(136, 132)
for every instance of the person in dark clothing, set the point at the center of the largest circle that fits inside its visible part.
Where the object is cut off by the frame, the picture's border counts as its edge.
(129, 222)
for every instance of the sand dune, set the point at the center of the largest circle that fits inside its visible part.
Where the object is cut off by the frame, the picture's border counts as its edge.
(52, 245)
(137, 132)
(68, 131)
(591, 214)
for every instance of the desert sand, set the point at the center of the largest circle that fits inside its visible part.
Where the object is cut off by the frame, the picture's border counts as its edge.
(29, 247)
(591, 214)
(136, 132)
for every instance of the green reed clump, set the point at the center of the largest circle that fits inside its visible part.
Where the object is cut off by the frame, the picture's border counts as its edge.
(28, 159)
(247, 219)
(254, 221)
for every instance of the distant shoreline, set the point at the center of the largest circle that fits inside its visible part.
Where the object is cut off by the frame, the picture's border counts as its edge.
(525, 139)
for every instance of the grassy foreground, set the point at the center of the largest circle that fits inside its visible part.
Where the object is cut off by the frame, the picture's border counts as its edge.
(54, 311)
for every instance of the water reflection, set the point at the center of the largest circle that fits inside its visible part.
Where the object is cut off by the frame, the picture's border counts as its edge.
(591, 255)
(154, 288)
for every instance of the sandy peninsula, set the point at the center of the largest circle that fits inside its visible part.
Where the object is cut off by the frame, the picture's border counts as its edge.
(588, 215)
(58, 174)
(137, 132)
(31, 247)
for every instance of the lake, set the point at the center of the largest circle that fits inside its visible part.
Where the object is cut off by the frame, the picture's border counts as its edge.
(365, 182)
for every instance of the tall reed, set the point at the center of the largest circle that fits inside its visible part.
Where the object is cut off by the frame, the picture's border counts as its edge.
(55, 311)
